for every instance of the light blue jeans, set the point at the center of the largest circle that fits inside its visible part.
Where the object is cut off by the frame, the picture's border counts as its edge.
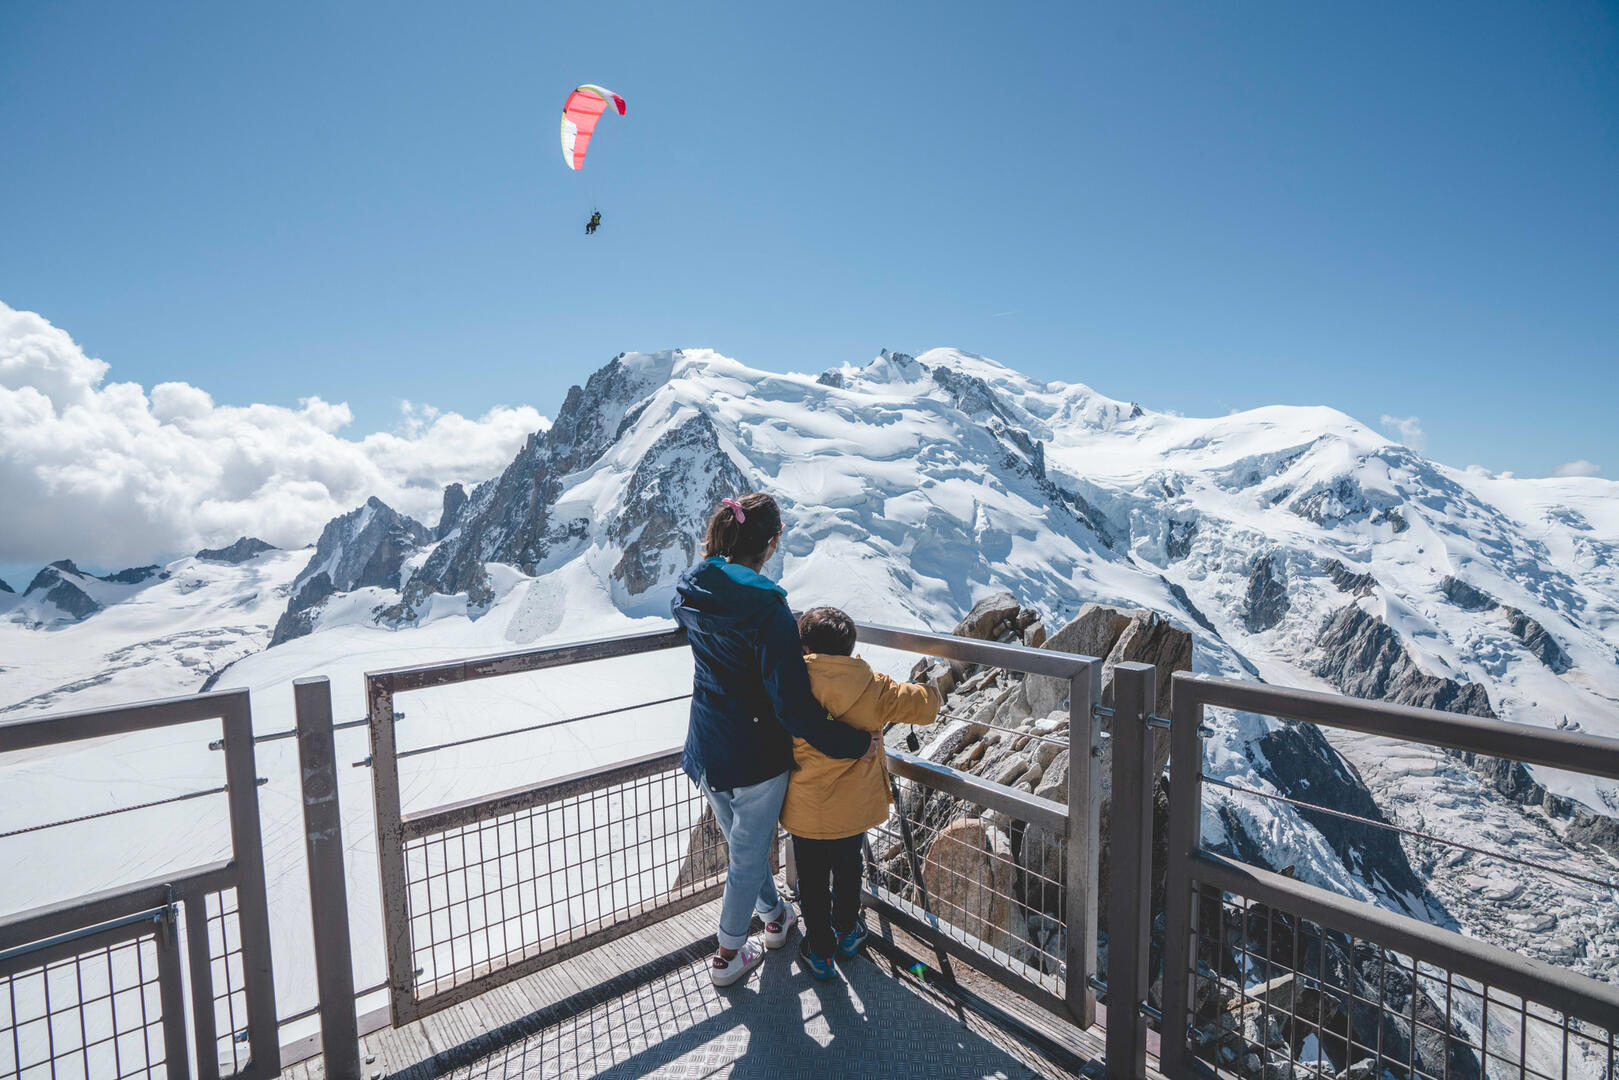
(747, 816)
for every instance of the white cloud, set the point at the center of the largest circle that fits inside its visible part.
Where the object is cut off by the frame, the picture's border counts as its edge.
(111, 475)
(1578, 468)
(1410, 429)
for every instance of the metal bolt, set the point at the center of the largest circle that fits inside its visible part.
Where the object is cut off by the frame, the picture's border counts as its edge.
(217, 744)
(1096, 751)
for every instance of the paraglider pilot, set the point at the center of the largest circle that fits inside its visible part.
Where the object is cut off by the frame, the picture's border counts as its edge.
(594, 223)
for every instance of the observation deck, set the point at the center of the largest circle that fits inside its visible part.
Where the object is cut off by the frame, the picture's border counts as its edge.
(563, 927)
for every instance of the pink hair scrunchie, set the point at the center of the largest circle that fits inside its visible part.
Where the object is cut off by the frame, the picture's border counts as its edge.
(736, 508)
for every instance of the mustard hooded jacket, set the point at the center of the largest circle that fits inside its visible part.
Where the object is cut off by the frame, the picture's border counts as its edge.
(831, 798)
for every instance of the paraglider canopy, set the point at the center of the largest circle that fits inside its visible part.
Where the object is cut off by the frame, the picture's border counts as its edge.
(579, 115)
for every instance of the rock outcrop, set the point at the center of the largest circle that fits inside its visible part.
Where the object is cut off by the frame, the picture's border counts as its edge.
(1363, 656)
(6, 588)
(674, 488)
(135, 575)
(60, 583)
(1537, 640)
(1266, 600)
(243, 549)
(366, 547)
(1348, 581)
(455, 500)
(1465, 596)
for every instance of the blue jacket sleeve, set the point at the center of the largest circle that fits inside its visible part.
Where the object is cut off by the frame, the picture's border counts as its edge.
(786, 680)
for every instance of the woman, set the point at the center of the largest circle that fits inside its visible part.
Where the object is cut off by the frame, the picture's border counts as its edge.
(750, 696)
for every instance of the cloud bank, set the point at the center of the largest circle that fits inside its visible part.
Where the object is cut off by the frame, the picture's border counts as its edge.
(1578, 468)
(111, 474)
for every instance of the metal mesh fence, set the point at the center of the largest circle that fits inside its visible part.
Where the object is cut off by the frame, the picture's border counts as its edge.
(490, 893)
(993, 883)
(224, 938)
(1274, 994)
(94, 1014)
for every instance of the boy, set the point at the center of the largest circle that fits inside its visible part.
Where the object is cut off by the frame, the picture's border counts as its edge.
(831, 802)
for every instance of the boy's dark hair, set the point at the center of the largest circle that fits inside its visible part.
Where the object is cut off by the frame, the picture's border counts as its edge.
(827, 631)
(747, 539)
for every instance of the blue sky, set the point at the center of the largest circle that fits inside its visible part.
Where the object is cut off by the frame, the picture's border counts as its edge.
(1399, 210)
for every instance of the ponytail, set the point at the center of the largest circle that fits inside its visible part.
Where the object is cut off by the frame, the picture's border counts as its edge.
(741, 529)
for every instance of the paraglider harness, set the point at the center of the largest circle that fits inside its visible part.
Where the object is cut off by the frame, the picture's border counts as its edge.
(594, 223)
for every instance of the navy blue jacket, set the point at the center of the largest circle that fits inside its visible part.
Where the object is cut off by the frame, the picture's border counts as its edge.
(750, 689)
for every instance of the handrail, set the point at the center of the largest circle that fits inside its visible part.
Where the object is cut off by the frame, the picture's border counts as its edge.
(421, 676)
(1575, 752)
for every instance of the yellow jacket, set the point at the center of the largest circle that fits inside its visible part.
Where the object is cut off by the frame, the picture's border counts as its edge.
(831, 798)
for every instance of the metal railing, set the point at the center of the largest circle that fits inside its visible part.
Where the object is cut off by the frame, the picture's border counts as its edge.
(1266, 974)
(98, 981)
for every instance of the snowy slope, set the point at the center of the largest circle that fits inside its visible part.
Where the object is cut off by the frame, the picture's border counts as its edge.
(911, 487)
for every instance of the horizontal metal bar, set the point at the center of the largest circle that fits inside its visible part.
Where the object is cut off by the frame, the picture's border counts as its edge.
(1528, 978)
(401, 679)
(1046, 813)
(1059, 665)
(1586, 754)
(116, 720)
(48, 920)
(924, 931)
(538, 727)
(642, 916)
(471, 811)
(52, 949)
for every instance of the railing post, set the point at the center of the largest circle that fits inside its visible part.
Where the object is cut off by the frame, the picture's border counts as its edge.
(328, 891)
(1082, 844)
(1129, 894)
(1180, 906)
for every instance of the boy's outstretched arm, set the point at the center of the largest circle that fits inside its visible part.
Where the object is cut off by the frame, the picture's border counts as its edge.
(906, 703)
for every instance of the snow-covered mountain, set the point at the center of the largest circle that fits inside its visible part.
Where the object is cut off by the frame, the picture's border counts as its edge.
(1295, 544)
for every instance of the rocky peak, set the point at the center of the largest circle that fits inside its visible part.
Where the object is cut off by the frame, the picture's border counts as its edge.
(455, 500)
(1465, 596)
(1266, 600)
(366, 547)
(137, 574)
(1348, 581)
(675, 486)
(1363, 656)
(240, 551)
(6, 588)
(61, 583)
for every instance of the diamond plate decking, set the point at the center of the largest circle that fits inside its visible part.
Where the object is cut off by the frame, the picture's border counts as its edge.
(644, 1007)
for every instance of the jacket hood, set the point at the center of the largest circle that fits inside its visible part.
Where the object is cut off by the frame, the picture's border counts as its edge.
(715, 595)
(838, 681)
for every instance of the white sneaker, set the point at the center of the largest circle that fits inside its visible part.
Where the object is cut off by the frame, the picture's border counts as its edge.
(776, 930)
(725, 972)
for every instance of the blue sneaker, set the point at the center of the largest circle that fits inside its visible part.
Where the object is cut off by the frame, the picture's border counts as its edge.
(819, 966)
(850, 943)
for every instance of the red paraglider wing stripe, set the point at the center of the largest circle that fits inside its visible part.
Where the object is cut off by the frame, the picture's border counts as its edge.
(584, 108)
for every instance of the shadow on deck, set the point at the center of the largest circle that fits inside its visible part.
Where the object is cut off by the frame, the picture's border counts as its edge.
(644, 1006)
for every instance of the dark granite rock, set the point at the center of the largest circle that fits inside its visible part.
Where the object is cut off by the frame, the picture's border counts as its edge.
(675, 486)
(1266, 601)
(1348, 581)
(6, 588)
(245, 548)
(136, 574)
(1537, 639)
(1362, 656)
(830, 377)
(59, 583)
(1465, 596)
(455, 500)
(1178, 540)
(299, 618)
(365, 548)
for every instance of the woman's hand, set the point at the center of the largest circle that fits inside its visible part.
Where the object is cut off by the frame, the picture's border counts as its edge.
(876, 745)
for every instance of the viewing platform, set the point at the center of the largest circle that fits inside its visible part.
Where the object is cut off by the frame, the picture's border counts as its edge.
(563, 928)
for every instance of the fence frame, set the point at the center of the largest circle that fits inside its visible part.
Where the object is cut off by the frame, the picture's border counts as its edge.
(243, 873)
(1187, 862)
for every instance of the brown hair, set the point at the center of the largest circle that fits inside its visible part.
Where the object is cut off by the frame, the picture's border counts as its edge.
(745, 540)
(827, 631)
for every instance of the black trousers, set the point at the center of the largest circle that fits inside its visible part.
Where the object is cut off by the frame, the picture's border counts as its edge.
(828, 888)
